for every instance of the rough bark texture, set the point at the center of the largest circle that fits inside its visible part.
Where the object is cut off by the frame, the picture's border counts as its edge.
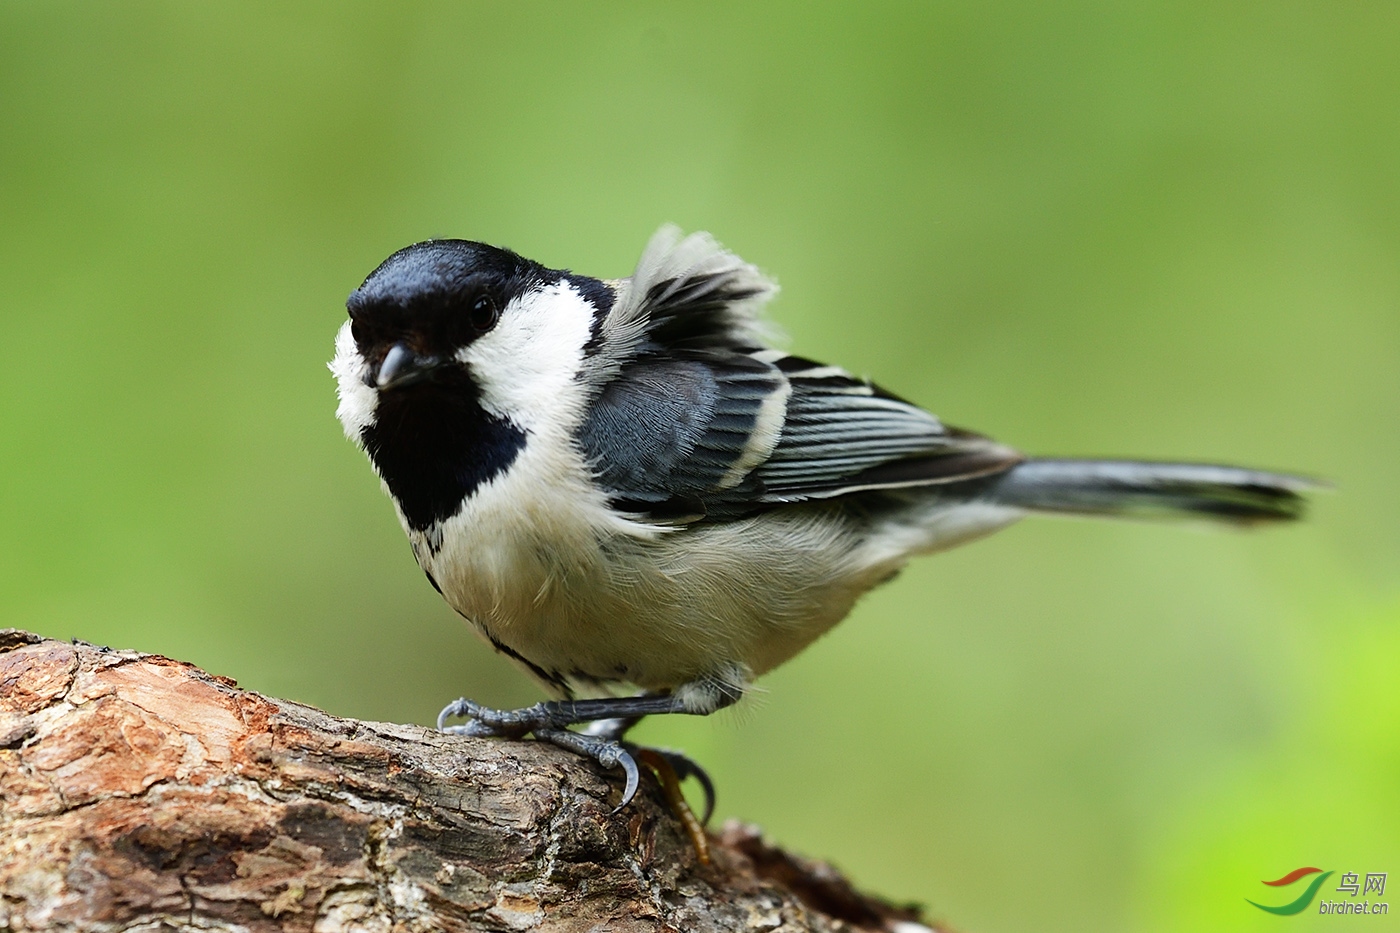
(137, 792)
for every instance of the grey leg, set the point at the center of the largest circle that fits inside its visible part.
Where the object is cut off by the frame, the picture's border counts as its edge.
(556, 714)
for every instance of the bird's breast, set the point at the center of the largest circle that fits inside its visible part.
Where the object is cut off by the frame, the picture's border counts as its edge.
(540, 564)
(523, 557)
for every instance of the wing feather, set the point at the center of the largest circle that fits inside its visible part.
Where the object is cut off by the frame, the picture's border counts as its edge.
(686, 293)
(844, 435)
(668, 434)
(705, 451)
(694, 418)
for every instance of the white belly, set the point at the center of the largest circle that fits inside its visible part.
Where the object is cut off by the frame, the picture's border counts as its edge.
(541, 565)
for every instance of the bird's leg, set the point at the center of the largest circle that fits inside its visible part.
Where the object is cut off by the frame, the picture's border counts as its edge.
(614, 715)
(555, 714)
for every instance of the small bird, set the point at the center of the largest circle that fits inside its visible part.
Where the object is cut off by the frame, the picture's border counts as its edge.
(626, 489)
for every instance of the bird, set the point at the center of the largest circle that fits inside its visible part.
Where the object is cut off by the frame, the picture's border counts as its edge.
(628, 489)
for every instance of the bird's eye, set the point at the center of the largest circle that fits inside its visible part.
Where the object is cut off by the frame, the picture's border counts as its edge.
(483, 314)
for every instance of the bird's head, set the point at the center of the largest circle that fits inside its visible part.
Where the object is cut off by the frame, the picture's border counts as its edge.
(459, 318)
(417, 313)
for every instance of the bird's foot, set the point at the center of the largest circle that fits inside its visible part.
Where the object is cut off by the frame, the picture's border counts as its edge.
(681, 766)
(606, 752)
(556, 714)
(608, 719)
(484, 721)
(668, 765)
(549, 722)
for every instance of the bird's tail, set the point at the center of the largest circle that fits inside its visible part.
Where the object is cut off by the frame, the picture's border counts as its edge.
(1151, 490)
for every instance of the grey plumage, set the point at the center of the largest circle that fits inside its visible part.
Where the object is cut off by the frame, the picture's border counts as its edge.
(1136, 489)
(667, 431)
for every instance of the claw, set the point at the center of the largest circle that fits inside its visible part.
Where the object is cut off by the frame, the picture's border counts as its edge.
(457, 707)
(686, 767)
(660, 762)
(607, 753)
(629, 765)
(485, 721)
(474, 728)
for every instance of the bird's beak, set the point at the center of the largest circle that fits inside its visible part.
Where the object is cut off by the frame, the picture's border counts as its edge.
(401, 367)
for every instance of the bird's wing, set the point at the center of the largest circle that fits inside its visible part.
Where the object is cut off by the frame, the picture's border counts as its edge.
(842, 435)
(670, 434)
(694, 418)
(716, 434)
(688, 293)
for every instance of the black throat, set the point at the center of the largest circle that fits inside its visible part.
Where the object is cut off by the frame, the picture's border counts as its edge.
(433, 444)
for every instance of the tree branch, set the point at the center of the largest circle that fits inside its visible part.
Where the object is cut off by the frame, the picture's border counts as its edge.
(137, 792)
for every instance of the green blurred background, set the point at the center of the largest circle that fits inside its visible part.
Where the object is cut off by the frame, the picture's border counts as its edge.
(1150, 230)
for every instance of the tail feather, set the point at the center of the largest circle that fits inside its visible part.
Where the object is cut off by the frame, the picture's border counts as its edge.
(1152, 490)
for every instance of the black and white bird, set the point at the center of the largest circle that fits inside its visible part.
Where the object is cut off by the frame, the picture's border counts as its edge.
(623, 487)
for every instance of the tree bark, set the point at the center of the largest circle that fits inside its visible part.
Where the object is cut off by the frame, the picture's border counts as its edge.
(141, 793)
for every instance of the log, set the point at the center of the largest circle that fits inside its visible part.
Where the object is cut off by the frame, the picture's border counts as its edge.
(141, 793)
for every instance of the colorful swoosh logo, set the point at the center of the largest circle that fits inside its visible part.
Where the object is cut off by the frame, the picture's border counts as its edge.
(1292, 876)
(1304, 899)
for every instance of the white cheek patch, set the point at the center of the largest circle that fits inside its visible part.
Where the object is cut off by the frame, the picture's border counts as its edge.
(527, 364)
(357, 400)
